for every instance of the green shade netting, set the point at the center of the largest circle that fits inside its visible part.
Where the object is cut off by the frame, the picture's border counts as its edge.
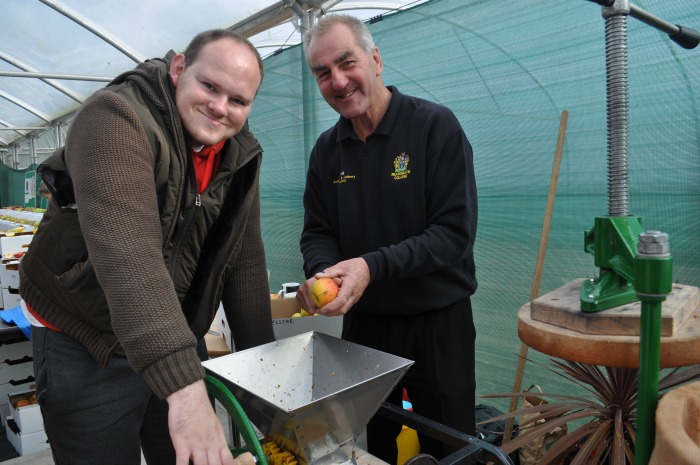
(508, 75)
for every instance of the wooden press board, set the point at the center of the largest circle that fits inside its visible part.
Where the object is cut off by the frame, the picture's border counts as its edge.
(562, 307)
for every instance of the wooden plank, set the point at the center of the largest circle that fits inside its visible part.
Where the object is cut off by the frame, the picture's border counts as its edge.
(562, 307)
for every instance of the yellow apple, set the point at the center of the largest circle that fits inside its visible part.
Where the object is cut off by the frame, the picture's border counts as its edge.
(323, 291)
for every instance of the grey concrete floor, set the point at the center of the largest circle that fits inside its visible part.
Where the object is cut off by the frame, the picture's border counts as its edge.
(39, 458)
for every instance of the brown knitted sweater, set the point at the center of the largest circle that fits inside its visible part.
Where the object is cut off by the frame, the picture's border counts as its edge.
(136, 268)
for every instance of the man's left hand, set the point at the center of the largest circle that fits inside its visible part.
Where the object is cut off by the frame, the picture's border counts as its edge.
(354, 278)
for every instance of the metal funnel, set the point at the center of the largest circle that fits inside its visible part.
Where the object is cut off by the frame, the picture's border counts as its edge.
(312, 393)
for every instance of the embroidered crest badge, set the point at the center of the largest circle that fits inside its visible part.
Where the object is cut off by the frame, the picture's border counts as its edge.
(401, 170)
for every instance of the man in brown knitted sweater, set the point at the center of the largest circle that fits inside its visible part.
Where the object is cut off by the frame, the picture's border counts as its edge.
(154, 221)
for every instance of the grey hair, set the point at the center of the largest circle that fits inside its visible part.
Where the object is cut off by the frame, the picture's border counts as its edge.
(359, 29)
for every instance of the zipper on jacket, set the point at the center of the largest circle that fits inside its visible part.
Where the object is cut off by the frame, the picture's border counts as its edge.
(184, 230)
(178, 141)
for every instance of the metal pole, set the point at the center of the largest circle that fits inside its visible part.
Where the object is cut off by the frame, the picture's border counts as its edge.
(67, 77)
(15, 157)
(652, 282)
(616, 87)
(613, 239)
(32, 151)
(310, 107)
(683, 36)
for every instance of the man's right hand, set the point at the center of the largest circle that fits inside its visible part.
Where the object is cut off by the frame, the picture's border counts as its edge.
(246, 459)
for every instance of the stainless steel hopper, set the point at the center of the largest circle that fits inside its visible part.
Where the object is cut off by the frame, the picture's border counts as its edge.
(312, 393)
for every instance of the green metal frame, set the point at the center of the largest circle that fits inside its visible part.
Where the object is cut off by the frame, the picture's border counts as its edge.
(613, 243)
(653, 281)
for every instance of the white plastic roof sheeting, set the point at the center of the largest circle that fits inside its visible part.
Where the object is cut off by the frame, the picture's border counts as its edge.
(55, 53)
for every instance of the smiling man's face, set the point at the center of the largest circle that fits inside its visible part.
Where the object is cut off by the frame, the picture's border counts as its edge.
(214, 94)
(347, 76)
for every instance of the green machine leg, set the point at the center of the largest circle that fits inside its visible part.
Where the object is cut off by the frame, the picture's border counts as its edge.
(653, 281)
(613, 243)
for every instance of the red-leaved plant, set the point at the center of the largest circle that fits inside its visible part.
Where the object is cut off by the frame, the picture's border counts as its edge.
(609, 436)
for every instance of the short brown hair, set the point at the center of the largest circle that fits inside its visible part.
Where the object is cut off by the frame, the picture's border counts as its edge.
(203, 38)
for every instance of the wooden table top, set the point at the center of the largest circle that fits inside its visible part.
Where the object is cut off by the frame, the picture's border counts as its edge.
(680, 349)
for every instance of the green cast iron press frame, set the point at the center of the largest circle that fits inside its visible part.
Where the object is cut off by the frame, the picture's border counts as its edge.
(634, 264)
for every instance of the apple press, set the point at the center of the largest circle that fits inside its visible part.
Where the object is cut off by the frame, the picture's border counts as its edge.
(312, 394)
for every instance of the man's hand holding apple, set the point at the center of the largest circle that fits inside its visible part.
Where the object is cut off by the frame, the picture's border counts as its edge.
(352, 277)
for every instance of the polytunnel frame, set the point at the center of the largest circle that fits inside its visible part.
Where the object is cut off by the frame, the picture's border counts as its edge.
(301, 13)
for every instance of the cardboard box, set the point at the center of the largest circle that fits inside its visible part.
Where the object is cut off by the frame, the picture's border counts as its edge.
(282, 322)
(5, 412)
(15, 349)
(9, 274)
(11, 387)
(25, 443)
(285, 326)
(10, 298)
(23, 215)
(16, 243)
(222, 327)
(28, 418)
(16, 373)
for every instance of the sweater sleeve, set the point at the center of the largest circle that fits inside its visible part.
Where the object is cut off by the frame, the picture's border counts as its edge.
(111, 164)
(246, 296)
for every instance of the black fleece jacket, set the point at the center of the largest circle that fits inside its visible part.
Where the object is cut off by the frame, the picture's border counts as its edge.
(405, 201)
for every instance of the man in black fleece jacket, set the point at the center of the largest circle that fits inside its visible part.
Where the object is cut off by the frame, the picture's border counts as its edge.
(390, 214)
